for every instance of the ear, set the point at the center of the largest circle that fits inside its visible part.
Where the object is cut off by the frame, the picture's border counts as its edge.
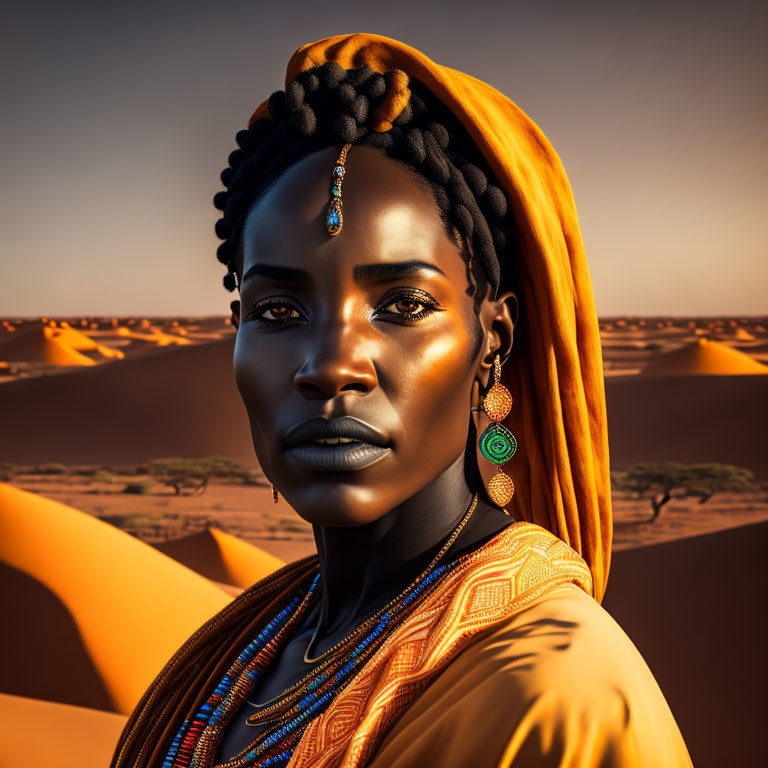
(498, 318)
(235, 316)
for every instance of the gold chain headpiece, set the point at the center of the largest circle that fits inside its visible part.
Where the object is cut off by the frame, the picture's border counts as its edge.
(335, 218)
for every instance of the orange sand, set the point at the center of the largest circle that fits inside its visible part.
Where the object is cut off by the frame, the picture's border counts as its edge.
(154, 336)
(174, 401)
(695, 608)
(221, 557)
(690, 419)
(43, 734)
(74, 339)
(131, 605)
(703, 358)
(84, 582)
(40, 345)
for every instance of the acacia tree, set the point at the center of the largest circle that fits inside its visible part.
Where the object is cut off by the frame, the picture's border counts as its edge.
(194, 474)
(661, 482)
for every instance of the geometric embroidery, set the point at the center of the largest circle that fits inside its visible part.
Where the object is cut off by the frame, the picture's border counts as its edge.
(486, 587)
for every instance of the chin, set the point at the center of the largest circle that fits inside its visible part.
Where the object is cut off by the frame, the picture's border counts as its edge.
(334, 501)
(326, 496)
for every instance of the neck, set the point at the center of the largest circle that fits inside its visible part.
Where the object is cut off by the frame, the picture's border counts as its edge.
(363, 567)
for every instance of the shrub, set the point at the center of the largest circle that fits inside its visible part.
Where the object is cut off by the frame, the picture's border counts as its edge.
(54, 468)
(139, 489)
(253, 477)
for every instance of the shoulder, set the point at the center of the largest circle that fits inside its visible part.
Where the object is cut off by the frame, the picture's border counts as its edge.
(572, 640)
(559, 683)
(582, 680)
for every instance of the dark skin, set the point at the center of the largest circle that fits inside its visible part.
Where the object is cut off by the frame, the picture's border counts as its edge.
(402, 351)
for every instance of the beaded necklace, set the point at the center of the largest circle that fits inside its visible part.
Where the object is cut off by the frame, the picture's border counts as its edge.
(328, 657)
(197, 739)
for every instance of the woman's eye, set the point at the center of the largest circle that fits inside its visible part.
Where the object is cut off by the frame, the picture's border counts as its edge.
(410, 308)
(273, 313)
(407, 306)
(278, 312)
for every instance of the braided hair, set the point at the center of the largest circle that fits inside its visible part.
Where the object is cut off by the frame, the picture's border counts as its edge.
(329, 105)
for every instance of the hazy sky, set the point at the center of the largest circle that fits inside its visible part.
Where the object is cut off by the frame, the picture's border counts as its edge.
(118, 117)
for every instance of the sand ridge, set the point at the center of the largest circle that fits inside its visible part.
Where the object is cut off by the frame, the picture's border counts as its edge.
(132, 605)
(221, 557)
(704, 358)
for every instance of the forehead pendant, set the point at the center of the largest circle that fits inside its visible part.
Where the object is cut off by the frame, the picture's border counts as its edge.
(335, 217)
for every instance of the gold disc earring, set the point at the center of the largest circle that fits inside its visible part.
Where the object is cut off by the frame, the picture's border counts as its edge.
(497, 443)
(274, 493)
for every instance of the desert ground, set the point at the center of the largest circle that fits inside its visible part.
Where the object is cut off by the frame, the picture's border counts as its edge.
(248, 511)
(89, 405)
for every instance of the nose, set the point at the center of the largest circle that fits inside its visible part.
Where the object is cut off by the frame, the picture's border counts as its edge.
(337, 363)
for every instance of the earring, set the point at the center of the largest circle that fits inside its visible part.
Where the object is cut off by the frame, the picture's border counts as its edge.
(497, 443)
(274, 493)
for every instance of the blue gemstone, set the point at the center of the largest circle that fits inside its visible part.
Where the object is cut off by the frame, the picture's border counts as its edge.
(334, 220)
(336, 191)
(338, 171)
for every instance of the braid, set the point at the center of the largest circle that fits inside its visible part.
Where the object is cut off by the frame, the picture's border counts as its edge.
(328, 105)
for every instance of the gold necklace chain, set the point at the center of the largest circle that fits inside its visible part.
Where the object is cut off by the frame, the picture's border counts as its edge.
(330, 655)
(446, 546)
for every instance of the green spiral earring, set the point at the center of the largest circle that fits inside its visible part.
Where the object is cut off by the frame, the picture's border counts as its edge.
(497, 443)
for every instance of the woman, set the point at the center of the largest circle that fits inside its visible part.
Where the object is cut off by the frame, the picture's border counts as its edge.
(412, 282)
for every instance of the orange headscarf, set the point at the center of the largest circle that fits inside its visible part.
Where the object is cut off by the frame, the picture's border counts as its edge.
(561, 470)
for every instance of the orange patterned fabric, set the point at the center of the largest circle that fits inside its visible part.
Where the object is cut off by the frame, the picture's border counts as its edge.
(516, 567)
(555, 374)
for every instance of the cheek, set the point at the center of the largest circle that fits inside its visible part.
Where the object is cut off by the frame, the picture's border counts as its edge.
(436, 390)
(255, 391)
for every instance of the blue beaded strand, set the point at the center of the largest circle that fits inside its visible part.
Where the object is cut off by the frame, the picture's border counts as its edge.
(311, 705)
(252, 649)
(312, 709)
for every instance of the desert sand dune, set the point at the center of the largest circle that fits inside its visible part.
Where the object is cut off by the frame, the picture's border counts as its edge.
(178, 401)
(695, 608)
(215, 323)
(40, 345)
(222, 557)
(690, 418)
(182, 401)
(131, 605)
(155, 336)
(203, 336)
(741, 334)
(757, 347)
(75, 339)
(668, 331)
(43, 734)
(703, 358)
(49, 659)
(121, 598)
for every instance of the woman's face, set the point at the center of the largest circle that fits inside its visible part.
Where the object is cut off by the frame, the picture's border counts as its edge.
(372, 326)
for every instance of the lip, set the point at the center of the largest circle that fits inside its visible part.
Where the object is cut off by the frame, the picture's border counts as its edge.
(369, 444)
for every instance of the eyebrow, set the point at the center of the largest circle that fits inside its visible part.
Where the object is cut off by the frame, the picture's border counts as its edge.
(382, 272)
(375, 273)
(279, 273)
